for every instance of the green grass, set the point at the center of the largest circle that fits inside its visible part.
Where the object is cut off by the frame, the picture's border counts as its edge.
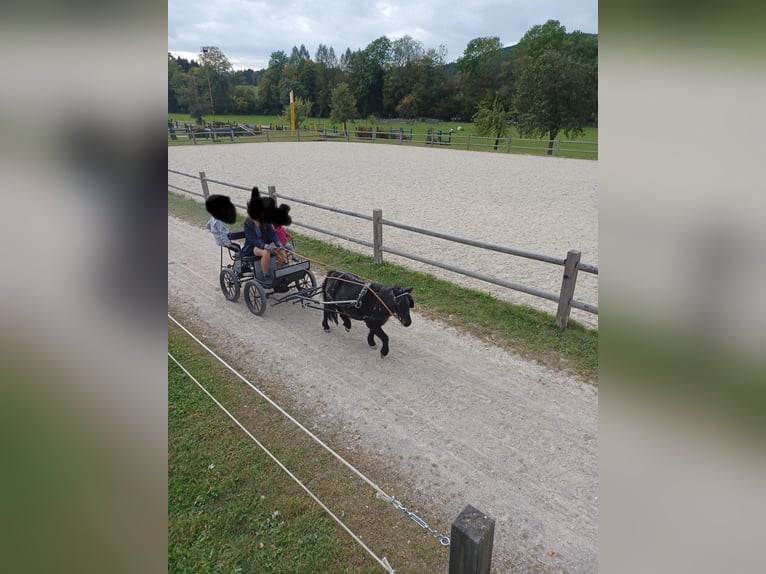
(528, 332)
(585, 148)
(231, 509)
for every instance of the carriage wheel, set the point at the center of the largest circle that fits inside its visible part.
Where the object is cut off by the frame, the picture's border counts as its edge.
(229, 284)
(255, 297)
(307, 281)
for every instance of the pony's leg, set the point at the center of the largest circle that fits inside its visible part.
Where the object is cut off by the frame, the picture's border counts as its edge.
(330, 312)
(384, 339)
(325, 324)
(377, 330)
(346, 322)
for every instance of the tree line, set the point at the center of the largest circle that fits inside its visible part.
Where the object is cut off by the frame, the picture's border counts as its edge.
(546, 84)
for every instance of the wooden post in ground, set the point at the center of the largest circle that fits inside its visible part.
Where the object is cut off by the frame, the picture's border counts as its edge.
(567, 288)
(471, 539)
(203, 181)
(377, 236)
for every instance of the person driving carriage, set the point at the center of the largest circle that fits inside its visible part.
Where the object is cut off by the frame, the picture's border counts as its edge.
(261, 240)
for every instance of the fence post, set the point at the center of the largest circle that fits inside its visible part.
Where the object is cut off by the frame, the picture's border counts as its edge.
(203, 181)
(567, 288)
(558, 148)
(273, 193)
(509, 145)
(471, 539)
(377, 236)
(468, 142)
(194, 139)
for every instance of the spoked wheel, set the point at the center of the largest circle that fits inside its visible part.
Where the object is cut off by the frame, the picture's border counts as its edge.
(307, 281)
(255, 297)
(229, 284)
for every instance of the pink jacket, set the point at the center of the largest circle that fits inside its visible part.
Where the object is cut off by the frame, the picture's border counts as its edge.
(282, 234)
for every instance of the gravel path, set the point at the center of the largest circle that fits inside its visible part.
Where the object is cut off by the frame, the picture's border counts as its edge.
(463, 421)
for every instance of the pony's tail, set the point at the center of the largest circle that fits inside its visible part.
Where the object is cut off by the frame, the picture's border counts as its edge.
(329, 313)
(324, 289)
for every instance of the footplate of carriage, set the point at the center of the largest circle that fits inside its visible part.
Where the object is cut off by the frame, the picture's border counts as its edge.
(285, 273)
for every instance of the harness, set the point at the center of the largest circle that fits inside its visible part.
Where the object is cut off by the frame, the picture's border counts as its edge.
(366, 288)
(362, 293)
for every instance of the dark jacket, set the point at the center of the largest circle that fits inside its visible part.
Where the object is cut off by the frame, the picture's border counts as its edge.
(258, 236)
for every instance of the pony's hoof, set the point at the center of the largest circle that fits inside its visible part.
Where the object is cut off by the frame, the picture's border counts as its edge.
(383, 353)
(348, 329)
(326, 329)
(373, 346)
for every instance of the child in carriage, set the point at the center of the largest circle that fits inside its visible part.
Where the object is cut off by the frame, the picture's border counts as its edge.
(284, 237)
(220, 232)
(222, 212)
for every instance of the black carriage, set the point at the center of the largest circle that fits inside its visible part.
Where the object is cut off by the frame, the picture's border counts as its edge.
(240, 273)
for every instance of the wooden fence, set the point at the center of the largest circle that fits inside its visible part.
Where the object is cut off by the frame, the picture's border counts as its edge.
(571, 262)
(399, 136)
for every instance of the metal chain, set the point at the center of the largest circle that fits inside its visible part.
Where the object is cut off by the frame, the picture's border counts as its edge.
(443, 538)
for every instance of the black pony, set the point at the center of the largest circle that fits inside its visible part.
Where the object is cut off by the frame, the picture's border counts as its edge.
(353, 298)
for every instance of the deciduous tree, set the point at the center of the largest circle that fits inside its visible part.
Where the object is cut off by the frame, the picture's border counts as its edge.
(267, 96)
(491, 119)
(302, 111)
(556, 90)
(218, 70)
(176, 79)
(479, 68)
(342, 105)
(367, 74)
(244, 99)
(553, 95)
(549, 36)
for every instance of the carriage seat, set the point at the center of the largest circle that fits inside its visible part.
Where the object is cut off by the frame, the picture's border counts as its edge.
(235, 250)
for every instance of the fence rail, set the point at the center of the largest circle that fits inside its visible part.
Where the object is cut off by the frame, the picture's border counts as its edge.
(571, 262)
(400, 136)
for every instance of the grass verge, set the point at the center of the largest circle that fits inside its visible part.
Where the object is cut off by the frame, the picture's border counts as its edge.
(463, 135)
(231, 509)
(528, 332)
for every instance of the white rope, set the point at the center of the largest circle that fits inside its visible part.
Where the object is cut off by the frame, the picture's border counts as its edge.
(281, 410)
(382, 561)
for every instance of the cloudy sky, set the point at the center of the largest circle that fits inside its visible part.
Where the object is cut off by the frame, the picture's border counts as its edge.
(248, 31)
